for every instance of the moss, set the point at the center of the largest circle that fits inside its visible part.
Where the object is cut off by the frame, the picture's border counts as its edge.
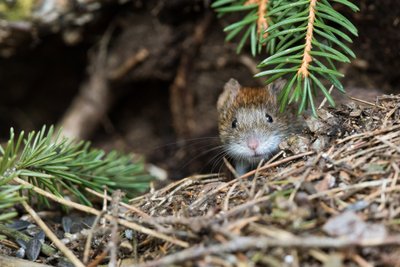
(20, 10)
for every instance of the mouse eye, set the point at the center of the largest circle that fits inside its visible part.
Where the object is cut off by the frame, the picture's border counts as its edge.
(234, 123)
(269, 118)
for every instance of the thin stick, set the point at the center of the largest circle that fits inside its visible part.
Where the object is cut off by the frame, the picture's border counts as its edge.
(354, 186)
(104, 208)
(129, 64)
(98, 259)
(305, 175)
(123, 204)
(262, 243)
(114, 241)
(267, 166)
(57, 242)
(90, 237)
(132, 225)
(277, 163)
(388, 143)
(7, 261)
(325, 99)
(365, 102)
(360, 261)
(396, 174)
(230, 167)
(369, 134)
(193, 178)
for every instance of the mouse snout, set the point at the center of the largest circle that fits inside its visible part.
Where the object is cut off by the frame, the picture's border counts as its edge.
(253, 143)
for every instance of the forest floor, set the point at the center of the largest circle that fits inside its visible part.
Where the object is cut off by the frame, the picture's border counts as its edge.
(331, 198)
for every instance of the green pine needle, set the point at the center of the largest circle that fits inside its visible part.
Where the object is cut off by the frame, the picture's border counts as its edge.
(64, 167)
(284, 44)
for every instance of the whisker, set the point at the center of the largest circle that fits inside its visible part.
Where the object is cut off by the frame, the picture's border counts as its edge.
(216, 159)
(187, 142)
(201, 154)
(219, 161)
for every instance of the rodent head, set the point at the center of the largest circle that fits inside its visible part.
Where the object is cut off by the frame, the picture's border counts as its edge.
(250, 124)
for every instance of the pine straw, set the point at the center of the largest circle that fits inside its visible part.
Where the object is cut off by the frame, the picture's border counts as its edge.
(278, 217)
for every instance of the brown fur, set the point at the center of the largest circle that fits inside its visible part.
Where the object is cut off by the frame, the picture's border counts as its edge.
(233, 99)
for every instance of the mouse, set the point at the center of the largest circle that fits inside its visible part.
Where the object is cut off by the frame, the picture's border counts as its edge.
(250, 125)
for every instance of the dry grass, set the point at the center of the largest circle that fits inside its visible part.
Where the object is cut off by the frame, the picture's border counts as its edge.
(330, 198)
(337, 205)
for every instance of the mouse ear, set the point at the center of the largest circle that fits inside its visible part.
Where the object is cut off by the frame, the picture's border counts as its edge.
(231, 90)
(276, 87)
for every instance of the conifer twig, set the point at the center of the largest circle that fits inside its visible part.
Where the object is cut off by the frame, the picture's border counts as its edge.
(286, 24)
(61, 166)
(262, 24)
(303, 70)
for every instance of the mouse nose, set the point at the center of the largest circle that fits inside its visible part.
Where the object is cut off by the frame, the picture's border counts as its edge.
(253, 143)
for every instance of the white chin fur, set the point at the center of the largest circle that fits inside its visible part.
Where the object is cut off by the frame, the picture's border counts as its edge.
(266, 149)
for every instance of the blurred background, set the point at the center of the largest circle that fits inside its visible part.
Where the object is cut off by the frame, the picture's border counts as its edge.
(144, 76)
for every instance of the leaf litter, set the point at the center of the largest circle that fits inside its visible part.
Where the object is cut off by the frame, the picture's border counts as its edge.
(339, 205)
(330, 198)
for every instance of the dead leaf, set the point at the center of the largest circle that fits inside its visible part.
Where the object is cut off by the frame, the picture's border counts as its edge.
(351, 226)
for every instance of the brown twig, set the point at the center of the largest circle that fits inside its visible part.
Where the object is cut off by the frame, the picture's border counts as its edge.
(90, 238)
(299, 183)
(369, 133)
(129, 207)
(354, 186)
(7, 261)
(249, 174)
(363, 177)
(262, 243)
(325, 99)
(98, 259)
(114, 240)
(68, 253)
(87, 209)
(181, 183)
(365, 102)
(360, 261)
(129, 64)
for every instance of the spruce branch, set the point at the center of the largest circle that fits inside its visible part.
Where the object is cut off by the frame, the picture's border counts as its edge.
(61, 166)
(304, 40)
(262, 24)
(253, 26)
(303, 70)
